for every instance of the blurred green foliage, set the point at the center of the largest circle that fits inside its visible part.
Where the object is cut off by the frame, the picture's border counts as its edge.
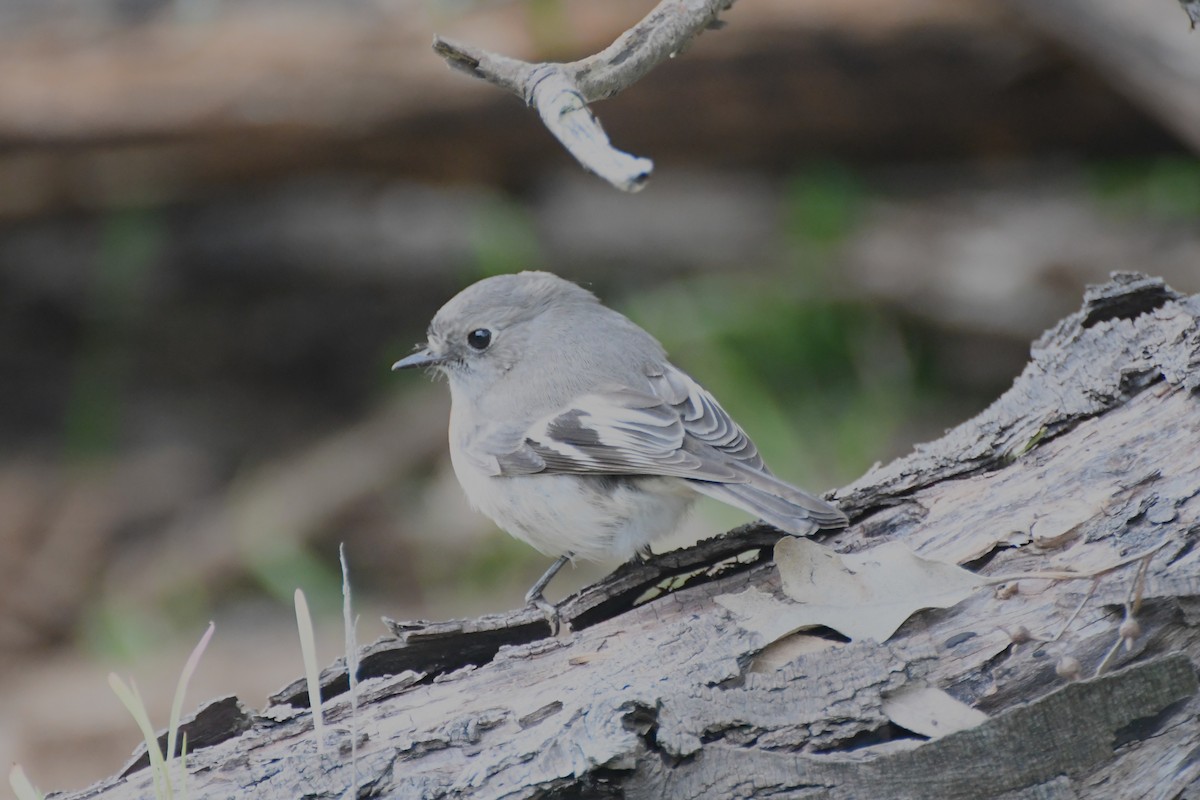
(125, 631)
(503, 239)
(282, 565)
(1166, 187)
(496, 562)
(130, 246)
(552, 33)
(118, 628)
(823, 203)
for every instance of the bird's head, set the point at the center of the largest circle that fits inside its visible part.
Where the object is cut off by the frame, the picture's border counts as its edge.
(489, 327)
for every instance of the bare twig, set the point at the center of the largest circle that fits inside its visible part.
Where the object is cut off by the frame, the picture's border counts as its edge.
(1108, 657)
(1091, 591)
(1134, 603)
(561, 92)
(1129, 628)
(1064, 575)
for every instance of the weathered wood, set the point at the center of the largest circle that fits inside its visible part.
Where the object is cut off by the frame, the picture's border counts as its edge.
(1093, 455)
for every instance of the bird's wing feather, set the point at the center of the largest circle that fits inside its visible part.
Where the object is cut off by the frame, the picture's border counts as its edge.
(676, 429)
(704, 421)
(673, 428)
(617, 432)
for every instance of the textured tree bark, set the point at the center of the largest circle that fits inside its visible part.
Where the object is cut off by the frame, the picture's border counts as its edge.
(659, 691)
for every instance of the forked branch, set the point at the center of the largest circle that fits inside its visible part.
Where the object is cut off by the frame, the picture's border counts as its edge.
(561, 92)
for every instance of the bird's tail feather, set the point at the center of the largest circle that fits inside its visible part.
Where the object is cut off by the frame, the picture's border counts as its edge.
(787, 508)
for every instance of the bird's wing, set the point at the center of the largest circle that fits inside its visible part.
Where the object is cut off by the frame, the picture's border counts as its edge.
(675, 429)
(613, 432)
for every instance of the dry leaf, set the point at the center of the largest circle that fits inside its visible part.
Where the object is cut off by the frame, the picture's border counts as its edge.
(1059, 525)
(929, 711)
(865, 595)
(786, 650)
(758, 611)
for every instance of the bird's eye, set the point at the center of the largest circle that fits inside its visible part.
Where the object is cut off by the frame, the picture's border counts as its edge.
(479, 338)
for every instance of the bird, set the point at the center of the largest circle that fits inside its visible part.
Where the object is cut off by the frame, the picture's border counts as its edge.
(573, 432)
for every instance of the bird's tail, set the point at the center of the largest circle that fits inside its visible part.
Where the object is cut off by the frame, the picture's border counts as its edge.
(780, 504)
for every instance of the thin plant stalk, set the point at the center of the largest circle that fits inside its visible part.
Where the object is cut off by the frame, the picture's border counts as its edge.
(21, 786)
(308, 651)
(349, 622)
(189, 668)
(132, 700)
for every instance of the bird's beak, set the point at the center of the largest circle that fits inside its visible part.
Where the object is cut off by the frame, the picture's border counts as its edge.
(421, 358)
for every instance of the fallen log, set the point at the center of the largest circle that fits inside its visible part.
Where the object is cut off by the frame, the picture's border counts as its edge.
(1087, 468)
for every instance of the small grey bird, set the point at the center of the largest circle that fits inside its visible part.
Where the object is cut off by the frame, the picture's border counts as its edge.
(572, 431)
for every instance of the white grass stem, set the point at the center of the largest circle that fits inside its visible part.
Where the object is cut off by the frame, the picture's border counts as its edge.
(21, 786)
(132, 700)
(185, 677)
(349, 623)
(308, 651)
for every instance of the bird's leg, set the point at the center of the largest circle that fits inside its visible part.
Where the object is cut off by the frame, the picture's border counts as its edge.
(642, 555)
(535, 598)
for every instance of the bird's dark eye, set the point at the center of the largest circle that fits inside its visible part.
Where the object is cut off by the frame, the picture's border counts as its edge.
(479, 338)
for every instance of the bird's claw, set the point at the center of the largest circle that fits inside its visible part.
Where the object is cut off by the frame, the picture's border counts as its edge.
(548, 609)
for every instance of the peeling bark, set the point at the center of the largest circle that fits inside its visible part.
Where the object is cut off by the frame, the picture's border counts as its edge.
(1092, 455)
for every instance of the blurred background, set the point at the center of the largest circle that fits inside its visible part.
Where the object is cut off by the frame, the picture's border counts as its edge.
(220, 223)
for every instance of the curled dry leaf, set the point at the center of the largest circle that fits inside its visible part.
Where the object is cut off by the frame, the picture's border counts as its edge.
(761, 612)
(929, 711)
(867, 595)
(783, 651)
(1056, 529)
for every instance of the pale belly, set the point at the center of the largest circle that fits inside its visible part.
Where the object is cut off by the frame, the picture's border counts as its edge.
(592, 517)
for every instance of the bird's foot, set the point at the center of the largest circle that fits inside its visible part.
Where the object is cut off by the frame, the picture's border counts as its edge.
(549, 610)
